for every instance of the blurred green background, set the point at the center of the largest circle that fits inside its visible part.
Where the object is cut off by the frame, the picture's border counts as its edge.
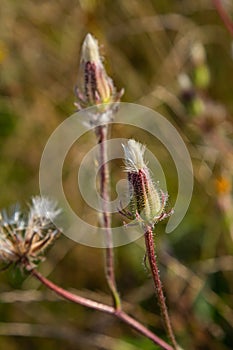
(176, 58)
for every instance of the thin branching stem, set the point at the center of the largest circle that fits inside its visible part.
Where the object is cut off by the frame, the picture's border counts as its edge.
(102, 132)
(121, 315)
(158, 284)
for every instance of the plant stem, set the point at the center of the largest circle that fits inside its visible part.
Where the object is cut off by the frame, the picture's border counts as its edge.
(121, 315)
(224, 16)
(102, 132)
(70, 296)
(158, 285)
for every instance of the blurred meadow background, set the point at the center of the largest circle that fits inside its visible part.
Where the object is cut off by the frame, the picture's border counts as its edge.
(175, 57)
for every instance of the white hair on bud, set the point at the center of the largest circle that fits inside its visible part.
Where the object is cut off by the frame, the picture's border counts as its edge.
(90, 49)
(134, 156)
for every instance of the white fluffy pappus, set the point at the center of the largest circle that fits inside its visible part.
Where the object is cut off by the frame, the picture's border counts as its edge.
(134, 156)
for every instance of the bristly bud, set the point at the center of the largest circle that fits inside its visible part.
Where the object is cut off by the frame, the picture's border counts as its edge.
(94, 86)
(24, 238)
(147, 201)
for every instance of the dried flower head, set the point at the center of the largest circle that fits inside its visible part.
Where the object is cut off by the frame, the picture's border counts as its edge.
(94, 86)
(24, 238)
(147, 201)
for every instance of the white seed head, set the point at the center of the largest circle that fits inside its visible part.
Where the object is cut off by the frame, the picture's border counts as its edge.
(134, 156)
(24, 238)
(43, 207)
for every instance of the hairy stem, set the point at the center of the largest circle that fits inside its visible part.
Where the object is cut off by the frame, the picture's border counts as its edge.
(121, 315)
(102, 132)
(158, 285)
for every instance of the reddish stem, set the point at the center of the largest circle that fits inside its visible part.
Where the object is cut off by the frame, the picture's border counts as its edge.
(224, 16)
(102, 132)
(72, 297)
(158, 285)
(101, 307)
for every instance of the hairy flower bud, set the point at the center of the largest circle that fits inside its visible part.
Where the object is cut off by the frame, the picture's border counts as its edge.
(94, 85)
(147, 201)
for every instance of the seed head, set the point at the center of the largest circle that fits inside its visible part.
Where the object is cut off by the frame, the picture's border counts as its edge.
(147, 201)
(24, 238)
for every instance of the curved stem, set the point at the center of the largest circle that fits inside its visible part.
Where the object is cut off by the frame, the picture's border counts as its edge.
(102, 132)
(158, 285)
(121, 315)
(72, 297)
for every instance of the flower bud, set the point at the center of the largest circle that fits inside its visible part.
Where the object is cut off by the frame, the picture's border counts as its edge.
(147, 201)
(94, 85)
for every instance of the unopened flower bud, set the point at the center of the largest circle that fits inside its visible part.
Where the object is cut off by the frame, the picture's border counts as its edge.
(94, 85)
(147, 201)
